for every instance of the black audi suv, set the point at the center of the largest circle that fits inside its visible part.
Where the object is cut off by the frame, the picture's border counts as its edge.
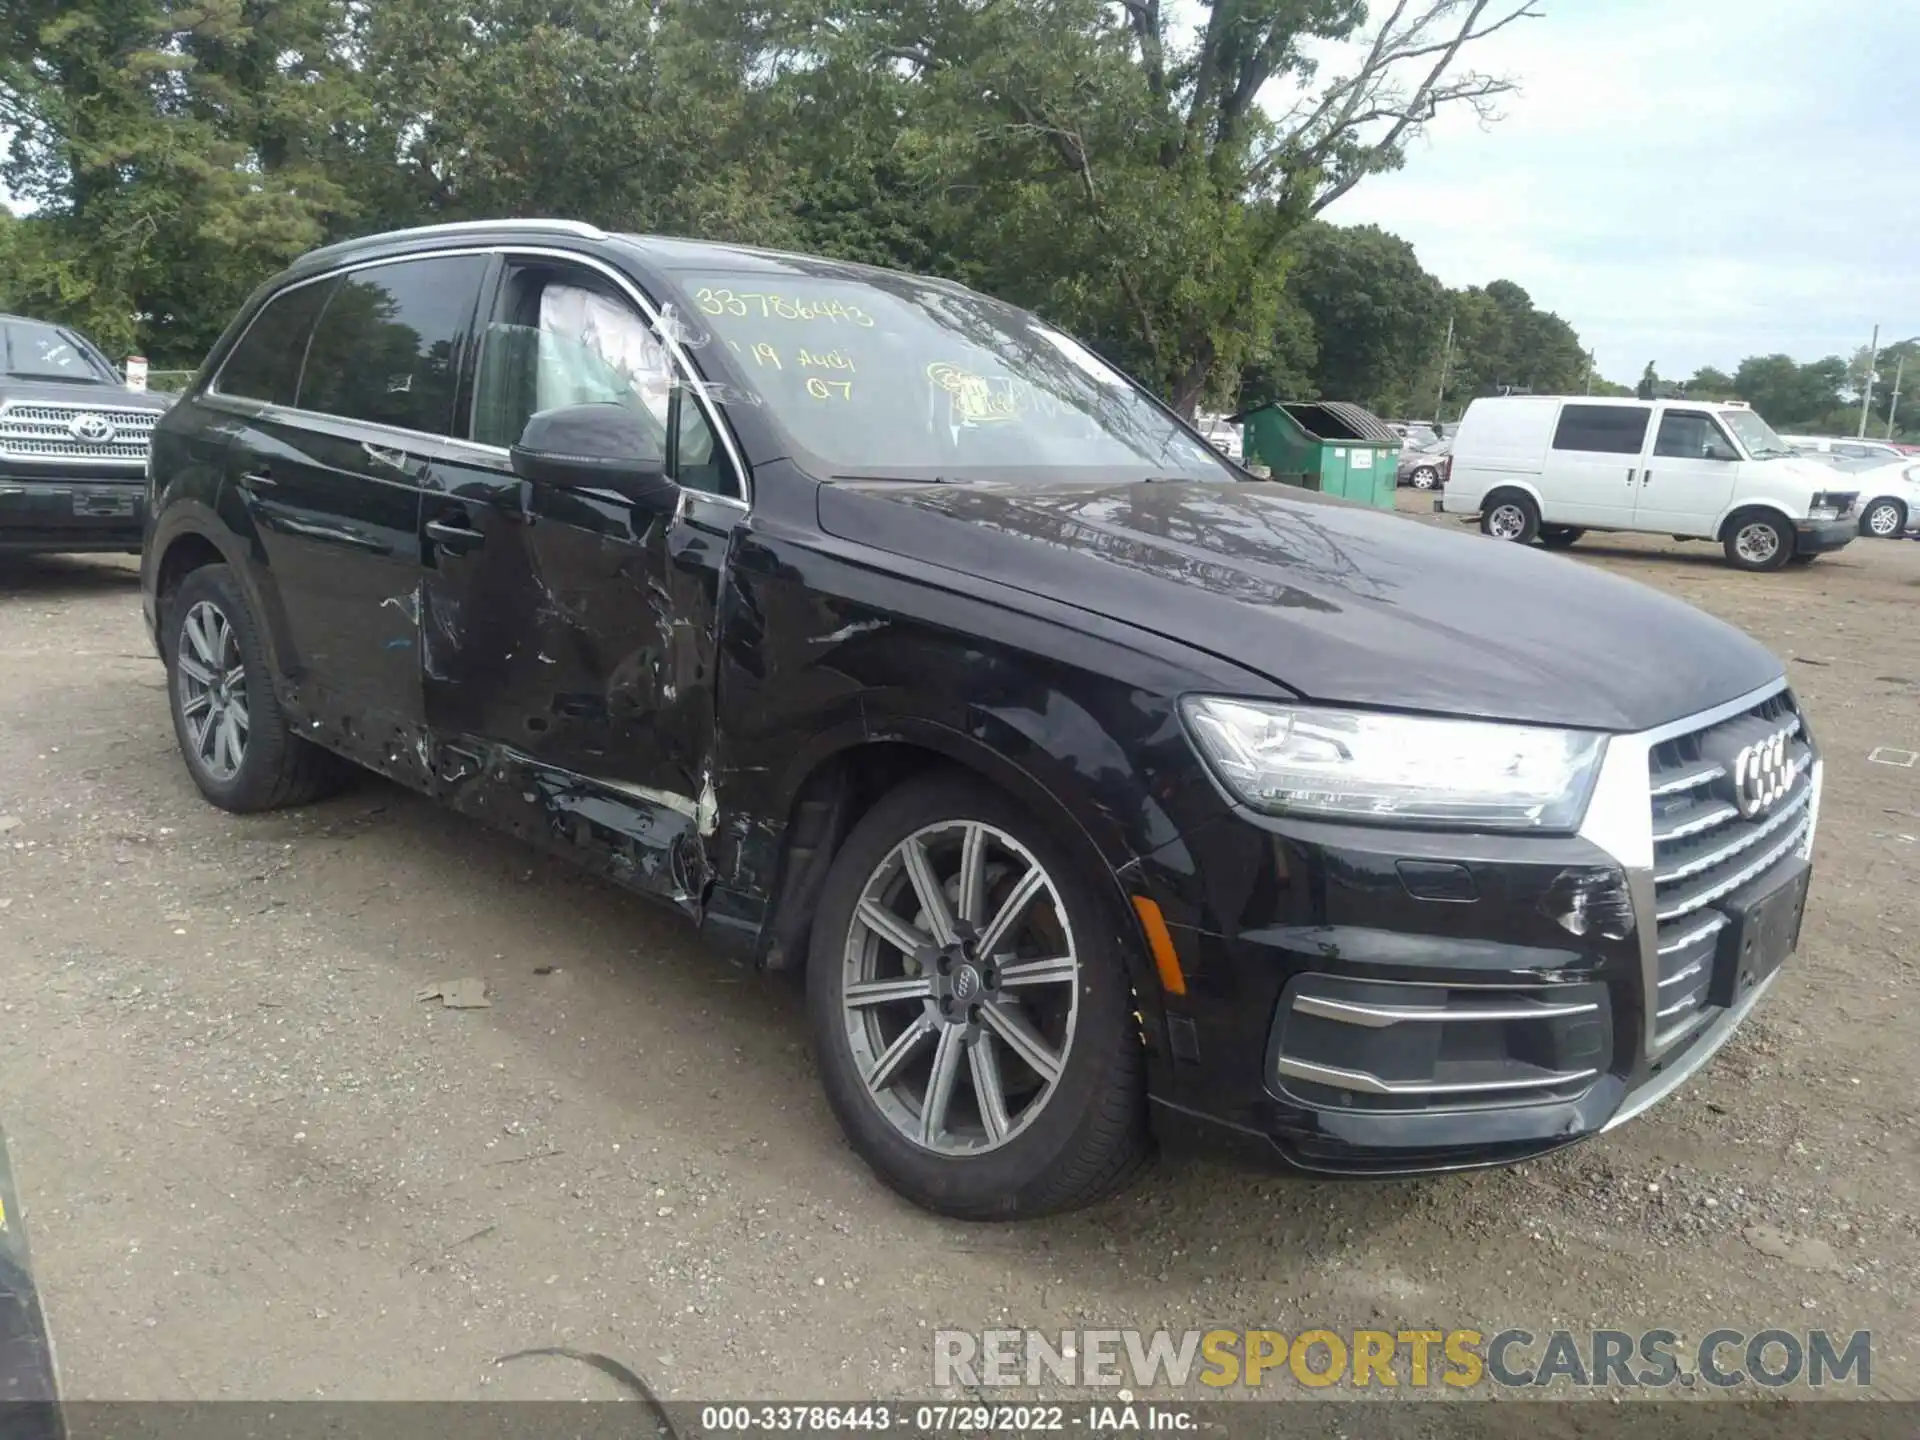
(1103, 791)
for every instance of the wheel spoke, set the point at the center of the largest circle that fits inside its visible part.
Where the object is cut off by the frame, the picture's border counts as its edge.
(237, 709)
(222, 636)
(897, 1054)
(203, 734)
(1024, 1040)
(973, 875)
(891, 928)
(996, 934)
(885, 992)
(193, 669)
(926, 888)
(987, 1088)
(194, 707)
(226, 750)
(1055, 970)
(195, 630)
(946, 1066)
(236, 676)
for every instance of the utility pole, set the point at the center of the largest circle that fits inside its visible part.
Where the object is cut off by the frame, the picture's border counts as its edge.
(1866, 391)
(1589, 372)
(1893, 401)
(1446, 355)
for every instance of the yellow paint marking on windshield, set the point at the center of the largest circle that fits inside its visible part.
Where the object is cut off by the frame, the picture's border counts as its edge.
(972, 397)
(829, 389)
(718, 300)
(826, 360)
(764, 354)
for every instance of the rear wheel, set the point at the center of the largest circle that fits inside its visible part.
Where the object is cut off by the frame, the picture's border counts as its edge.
(1510, 515)
(1757, 540)
(1559, 537)
(1884, 518)
(232, 732)
(971, 1009)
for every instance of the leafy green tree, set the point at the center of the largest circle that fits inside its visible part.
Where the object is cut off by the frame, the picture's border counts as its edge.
(1789, 395)
(1711, 384)
(1378, 315)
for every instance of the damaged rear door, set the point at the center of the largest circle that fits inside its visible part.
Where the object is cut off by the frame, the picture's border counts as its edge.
(568, 641)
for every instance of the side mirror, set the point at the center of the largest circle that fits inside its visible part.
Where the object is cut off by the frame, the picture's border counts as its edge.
(601, 446)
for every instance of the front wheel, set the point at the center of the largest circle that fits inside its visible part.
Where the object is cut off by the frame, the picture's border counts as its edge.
(1884, 518)
(1757, 541)
(1510, 515)
(971, 1009)
(1425, 478)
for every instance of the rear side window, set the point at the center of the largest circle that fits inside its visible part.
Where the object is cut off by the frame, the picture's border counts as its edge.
(265, 365)
(1603, 429)
(387, 348)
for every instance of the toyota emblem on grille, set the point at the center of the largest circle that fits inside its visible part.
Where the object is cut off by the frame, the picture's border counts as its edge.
(92, 428)
(1762, 775)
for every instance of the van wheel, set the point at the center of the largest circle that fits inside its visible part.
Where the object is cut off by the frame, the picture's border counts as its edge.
(1510, 515)
(1559, 537)
(1758, 541)
(971, 1009)
(232, 733)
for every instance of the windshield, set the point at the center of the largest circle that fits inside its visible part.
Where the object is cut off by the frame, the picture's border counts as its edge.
(899, 378)
(1755, 435)
(33, 351)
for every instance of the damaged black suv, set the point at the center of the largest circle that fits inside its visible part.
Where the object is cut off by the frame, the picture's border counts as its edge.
(1102, 791)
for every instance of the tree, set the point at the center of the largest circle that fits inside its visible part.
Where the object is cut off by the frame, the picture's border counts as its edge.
(1377, 315)
(1135, 186)
(1711, 384)
(1789, 395)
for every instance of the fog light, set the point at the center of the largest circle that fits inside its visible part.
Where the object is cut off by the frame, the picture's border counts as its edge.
(1590, 902)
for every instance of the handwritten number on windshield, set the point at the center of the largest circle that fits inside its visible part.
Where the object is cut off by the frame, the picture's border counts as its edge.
(766, 306)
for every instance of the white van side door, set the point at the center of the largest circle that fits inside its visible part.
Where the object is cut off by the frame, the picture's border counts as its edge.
(1592, 469)
(1689, 477)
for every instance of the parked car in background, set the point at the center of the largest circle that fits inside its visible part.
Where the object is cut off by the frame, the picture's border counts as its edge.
(1223, 435)
(1098, 791)
(1889, 503)
(73, 443)
(1552, 468)
(1846, 454)
(1415, 432)
(1424, 467)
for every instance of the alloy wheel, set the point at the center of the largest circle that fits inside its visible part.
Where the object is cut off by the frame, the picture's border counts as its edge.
(1508, 522)
(960, 987)
(1425, 479)
(1884, 520)
(1757, 543)
(212, 678)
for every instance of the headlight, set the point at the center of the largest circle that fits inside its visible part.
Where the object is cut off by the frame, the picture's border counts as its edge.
(1354, 765)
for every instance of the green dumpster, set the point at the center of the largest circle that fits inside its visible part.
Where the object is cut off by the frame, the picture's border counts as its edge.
(1325, 445)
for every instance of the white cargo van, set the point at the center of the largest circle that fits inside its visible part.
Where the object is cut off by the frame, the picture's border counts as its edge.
(1552, 468)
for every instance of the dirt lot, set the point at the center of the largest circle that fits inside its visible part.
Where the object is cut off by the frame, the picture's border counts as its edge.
(256, 1165)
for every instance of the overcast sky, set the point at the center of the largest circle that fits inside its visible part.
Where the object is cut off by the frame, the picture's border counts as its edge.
(1685, 181)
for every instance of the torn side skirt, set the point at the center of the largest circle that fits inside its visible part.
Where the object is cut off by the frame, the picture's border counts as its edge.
(644, 838)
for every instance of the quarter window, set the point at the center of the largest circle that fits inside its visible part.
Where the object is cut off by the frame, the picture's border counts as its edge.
(265, 365)
(1603, 429)
(387, 348)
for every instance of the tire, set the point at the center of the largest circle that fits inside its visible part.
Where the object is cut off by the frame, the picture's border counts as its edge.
(1748, 546)
(1884, 519)
(208, 615)
(1559, 537)
(1510, 515)
(1425, 478)
(1060, 1144)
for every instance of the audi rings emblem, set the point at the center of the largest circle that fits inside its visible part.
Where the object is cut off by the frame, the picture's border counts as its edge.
(1763, 773)
(93, 429)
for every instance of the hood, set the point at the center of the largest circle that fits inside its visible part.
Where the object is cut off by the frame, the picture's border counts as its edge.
(1337, 602)
(101, 397)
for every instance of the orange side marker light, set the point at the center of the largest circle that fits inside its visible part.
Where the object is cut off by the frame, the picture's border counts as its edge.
(1160, 942)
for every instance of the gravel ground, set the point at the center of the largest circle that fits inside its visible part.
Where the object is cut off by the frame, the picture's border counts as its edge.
(256, 1165)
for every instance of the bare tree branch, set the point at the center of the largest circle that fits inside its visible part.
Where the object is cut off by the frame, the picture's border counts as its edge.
(1145, 18)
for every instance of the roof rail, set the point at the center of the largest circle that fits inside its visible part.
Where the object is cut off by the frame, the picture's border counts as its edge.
(454, 227)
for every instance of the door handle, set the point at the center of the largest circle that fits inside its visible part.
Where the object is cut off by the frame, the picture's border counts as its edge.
(1645, 475)
(1629, 475)
(455, 539)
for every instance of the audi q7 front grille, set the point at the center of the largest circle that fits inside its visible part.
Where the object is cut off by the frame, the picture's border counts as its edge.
(1731, 802)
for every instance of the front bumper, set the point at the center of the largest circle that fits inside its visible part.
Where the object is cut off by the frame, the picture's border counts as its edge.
(1816, 537)
(1364, 1001)
(71, 513)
